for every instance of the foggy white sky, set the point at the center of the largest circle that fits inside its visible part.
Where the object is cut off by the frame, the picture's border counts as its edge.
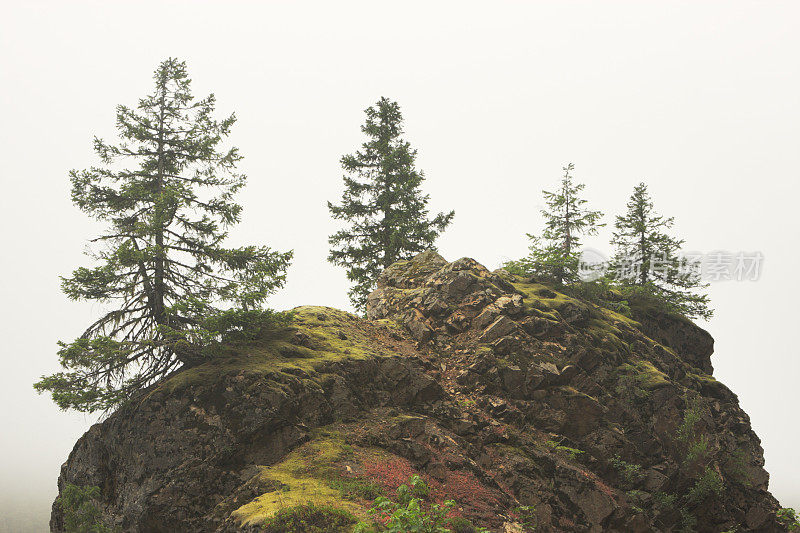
(700, 100)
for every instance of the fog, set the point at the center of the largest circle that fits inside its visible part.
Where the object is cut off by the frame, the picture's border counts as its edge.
(699, 100)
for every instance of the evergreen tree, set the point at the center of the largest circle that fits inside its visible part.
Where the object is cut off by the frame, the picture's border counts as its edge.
(647, 258)
(556, 254)
(166, 192)
(382, 203)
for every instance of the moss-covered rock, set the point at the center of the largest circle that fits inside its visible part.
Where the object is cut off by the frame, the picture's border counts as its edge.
(507, 396)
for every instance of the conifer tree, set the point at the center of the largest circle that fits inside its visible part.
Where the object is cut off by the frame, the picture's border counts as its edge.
(556, 254)
(385, 211)
(648, 258)
(166, 193)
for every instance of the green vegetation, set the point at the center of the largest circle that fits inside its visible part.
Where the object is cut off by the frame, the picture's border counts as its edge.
(556, 255)
(691, 416)
(572, 453)
(81, 511)
(643, 374)
(698, 450)
(310, 518)
(647, 273)
(688, 521)
(526, 516)
(410, 511)
(629, 473)
(789, 518)
(647, 260)
(382, 204)
(166, 193)
(736, 467)
(275, 349)
(311, 473)
(709, 483)
(663, 501)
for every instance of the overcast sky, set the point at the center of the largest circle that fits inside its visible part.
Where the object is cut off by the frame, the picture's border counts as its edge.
(698, 99)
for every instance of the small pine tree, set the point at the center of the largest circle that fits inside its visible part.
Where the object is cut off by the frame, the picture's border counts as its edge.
(556, 254)
(648, 259)
(163, 270)
(386, 213)
(79, 505)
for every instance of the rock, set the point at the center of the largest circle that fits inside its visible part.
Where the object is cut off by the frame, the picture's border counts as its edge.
(692, 343)
(487, 316)
(301, 339)
(499, 328)
(567, 373)
(574, 312)
(541, 327)
(457, 322)
(418, 326)
(496, 403)
(510, 304)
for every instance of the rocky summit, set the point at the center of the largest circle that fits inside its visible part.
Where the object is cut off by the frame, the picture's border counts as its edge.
(529, 408)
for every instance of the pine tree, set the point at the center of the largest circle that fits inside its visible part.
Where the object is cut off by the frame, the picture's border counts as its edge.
(386, 213)
(647, 258)
(556, 254)
(166, 192)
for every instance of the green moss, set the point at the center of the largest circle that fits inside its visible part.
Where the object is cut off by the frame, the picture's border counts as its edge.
(547, 315)
(484, 350)
(572, 391)
(310, 518)
(332, 335)
(605, 335)
(611, 315)
(572, 453)
(308, 474)
(538, 296)
(644, 374)
(701, 378)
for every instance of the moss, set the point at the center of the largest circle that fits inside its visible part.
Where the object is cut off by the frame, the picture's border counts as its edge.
(538, 296)
(572, 391)
(606, 335)
(332, 335)
(308, 474)
(645, 374)
(572, 453)
(310, 518)
(484, 350)
(552, 316)
(610, 314)
(702, 378)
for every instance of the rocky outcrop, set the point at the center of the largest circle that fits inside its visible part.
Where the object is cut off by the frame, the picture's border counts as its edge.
(501, 392)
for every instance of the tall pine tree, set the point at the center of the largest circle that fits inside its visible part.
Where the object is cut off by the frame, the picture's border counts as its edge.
(649, 259)
(166, 192)
(556, 254)
(385, 211)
